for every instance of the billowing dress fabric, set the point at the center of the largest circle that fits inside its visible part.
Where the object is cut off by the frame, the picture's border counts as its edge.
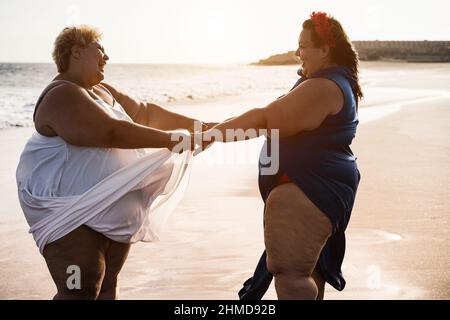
(321, 163)
(125, 194)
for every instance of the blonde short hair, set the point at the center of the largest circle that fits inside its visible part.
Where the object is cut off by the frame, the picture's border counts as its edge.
(81, 35)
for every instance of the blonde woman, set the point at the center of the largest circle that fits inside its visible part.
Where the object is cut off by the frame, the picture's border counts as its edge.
(98, 174)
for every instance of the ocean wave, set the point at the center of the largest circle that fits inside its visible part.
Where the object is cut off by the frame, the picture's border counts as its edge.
(23, 124)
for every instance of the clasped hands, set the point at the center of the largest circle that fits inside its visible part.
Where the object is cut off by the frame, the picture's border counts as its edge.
(200, 138)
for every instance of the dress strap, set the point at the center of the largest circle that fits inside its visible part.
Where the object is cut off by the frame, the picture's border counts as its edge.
(108, 92)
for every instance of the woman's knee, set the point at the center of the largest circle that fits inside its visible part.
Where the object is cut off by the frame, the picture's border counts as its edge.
(109, 289)
(295, 286)
(290, 265)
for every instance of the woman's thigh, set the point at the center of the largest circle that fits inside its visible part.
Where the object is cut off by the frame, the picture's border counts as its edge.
(295, 231)
(81, 250)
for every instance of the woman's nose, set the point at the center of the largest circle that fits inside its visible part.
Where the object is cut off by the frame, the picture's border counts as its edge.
(105, 57)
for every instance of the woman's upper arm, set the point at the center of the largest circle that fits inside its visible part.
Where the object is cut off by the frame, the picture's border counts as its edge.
(305, 107)
(76, 117)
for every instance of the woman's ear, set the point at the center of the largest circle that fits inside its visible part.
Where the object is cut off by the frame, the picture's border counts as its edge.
(76, 52)
(324, 50)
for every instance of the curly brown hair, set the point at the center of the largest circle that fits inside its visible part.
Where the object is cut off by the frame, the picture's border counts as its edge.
(342, 53)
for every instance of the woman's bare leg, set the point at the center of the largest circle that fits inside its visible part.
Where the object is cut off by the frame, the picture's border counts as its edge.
(115, 258)
(320, 283)
(85, 249)
(295, 232)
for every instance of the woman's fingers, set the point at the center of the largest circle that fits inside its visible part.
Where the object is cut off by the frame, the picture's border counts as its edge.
(197, 141)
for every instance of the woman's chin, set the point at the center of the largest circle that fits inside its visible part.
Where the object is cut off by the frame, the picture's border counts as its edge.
(100, 76)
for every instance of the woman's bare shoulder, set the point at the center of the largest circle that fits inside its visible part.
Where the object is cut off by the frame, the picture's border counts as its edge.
(66, 92)
(61, 93)
(53, 92)
(323, 91)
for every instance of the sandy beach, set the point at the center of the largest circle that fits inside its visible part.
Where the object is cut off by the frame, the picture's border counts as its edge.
(397, 240)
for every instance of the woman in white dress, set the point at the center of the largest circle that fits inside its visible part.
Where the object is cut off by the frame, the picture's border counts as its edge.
(99, 173)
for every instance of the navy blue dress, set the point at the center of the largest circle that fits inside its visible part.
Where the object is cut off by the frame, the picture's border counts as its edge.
(323, 166)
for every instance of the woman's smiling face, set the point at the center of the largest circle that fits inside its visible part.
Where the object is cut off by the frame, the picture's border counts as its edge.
(312, 57)
(94, 59)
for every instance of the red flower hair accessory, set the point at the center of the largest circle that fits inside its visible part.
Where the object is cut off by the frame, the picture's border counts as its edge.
(322, 28)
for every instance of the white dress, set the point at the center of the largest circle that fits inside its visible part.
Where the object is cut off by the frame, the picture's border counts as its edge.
(125, 194)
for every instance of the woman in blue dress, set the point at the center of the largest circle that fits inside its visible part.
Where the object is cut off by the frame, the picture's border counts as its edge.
(308, 201)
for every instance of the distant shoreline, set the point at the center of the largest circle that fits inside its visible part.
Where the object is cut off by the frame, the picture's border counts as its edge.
(386, 51)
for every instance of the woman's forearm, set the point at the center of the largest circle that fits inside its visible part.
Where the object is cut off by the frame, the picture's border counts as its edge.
(243, 127)
(161, 118)
(149, 114)
(128, 135)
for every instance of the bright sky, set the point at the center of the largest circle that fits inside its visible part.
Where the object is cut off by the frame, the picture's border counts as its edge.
(207, 31)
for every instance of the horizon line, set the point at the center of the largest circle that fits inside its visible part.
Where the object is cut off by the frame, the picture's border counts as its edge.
(218, 63)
